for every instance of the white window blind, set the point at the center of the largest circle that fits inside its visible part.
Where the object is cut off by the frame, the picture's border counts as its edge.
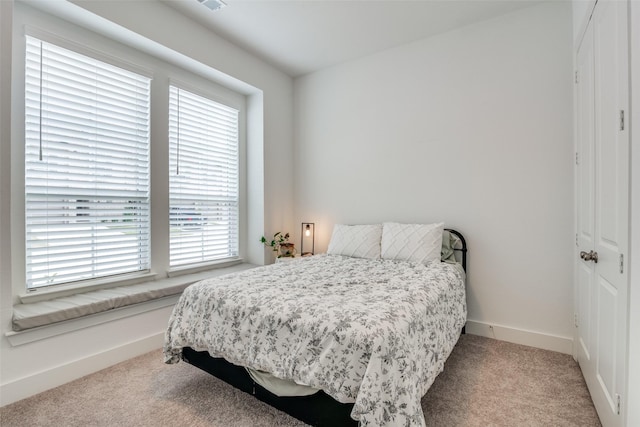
(86, 167)
(203, 147)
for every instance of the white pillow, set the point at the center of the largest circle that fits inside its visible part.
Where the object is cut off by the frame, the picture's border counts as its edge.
(358, 241)
(412, 242)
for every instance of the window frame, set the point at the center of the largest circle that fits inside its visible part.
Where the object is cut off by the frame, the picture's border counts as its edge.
(162, 71)
(141, 145)
(181, 85)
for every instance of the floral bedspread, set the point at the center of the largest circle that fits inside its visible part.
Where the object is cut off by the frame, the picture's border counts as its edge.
(372, 332)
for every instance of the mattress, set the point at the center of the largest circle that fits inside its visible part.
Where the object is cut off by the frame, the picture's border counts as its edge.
(280, 387)
(371, 332)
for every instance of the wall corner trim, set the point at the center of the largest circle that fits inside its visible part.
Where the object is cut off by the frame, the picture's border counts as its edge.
(521, 336)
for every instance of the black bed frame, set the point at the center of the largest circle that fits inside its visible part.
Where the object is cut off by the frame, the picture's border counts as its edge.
(318, 409)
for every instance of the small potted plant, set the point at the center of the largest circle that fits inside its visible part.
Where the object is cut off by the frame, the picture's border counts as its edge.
(280, 244)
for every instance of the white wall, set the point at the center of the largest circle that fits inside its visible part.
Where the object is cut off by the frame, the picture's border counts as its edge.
(474, 128)
(69, 355)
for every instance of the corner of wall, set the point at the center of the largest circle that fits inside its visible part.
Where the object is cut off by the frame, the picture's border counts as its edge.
(6, 41)
(255, 177)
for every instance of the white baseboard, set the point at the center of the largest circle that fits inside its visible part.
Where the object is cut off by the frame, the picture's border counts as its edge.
(28, 386)
(521, 336)
(42, 381)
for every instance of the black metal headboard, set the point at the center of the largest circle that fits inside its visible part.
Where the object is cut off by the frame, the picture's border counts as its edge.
(460, 247)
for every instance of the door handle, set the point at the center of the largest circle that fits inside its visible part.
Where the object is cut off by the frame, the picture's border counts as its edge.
(589, 256)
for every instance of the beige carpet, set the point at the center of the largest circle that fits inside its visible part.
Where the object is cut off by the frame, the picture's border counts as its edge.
(485, 383)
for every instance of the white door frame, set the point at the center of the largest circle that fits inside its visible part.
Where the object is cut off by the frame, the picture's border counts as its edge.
(633, 356)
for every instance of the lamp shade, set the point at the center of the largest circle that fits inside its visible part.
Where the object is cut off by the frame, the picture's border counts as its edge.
(307, 239)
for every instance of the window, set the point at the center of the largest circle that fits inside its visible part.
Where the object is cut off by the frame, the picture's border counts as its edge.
(86, 167)
(203, 179)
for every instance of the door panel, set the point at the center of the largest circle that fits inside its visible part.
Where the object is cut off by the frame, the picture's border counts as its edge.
(606, 112)
(586, 147)
(606, 360)
(585, 188)
(610, 55)
(585, 339)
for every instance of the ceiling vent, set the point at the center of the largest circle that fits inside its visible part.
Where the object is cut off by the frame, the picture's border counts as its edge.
(213, 4)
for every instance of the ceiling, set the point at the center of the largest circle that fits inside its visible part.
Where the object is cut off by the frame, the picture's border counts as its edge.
(302, 36)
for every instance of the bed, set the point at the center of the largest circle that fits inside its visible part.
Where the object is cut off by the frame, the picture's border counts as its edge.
(359, 335)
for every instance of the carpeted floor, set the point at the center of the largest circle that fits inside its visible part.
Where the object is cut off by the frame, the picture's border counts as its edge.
(485, 383)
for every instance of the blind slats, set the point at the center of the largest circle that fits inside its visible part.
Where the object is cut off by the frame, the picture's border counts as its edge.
(87, 167)
(204, 182)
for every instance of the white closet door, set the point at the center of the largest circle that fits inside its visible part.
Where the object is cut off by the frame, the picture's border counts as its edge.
(603, 222)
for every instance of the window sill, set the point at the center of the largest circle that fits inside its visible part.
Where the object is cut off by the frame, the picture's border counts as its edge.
(44, 319)
(60, 291)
